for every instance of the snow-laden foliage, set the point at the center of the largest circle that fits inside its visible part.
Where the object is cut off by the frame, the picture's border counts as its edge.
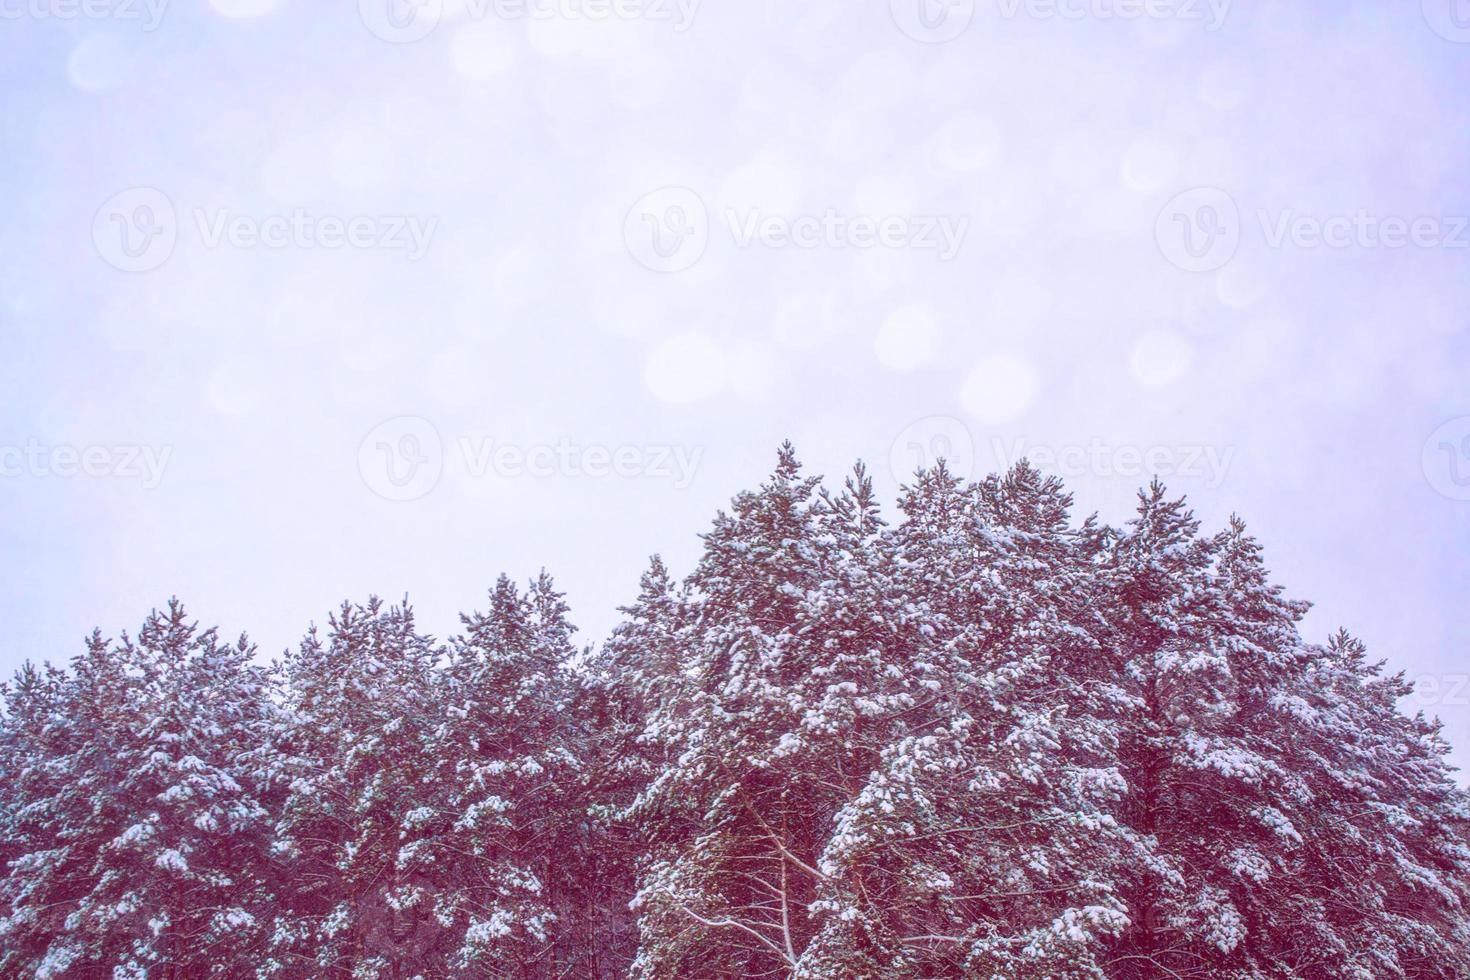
(986, 740)
(136, 809)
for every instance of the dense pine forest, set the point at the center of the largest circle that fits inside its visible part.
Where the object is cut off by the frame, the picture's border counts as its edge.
(979, 738)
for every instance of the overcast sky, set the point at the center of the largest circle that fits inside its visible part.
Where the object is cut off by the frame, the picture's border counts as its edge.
(303, 302)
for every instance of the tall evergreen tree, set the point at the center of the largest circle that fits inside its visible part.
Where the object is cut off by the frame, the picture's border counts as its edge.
(141, 834)
(491, 845)
(1260, 804)
(361, 704)
(982, 842)
(732, 823)
(631, 685)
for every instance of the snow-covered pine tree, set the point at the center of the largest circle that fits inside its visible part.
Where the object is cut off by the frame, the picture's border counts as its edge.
(142, 831)
(361, 704)
(1181, 753)
(1379, 884)
(1265, 782)
(43, 840)
(733, 823)
(634, 674)
(981, 844)
(495, 844)
(36, 744)
(629, 683)
(856, 694)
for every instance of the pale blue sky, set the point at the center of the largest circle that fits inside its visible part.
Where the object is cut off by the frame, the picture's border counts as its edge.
(325, 311)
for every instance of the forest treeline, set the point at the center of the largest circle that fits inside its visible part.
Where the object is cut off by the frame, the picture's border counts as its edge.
(985, 740)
